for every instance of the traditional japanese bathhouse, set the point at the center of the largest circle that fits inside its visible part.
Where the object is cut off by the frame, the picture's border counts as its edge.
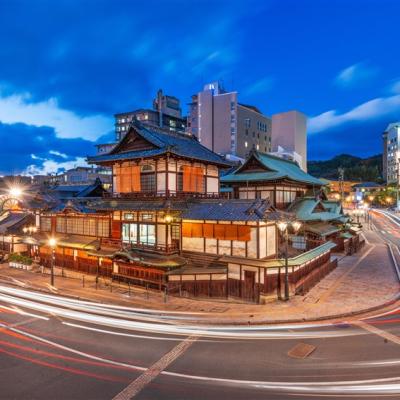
(264, 176)
(165, 221)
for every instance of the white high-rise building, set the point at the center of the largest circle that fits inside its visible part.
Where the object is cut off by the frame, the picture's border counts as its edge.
(391, 153)
(289, 130)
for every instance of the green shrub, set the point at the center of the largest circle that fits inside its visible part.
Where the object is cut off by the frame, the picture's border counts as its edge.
(18, 258)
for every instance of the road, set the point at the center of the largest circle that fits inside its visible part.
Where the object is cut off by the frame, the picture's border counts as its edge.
(58, 348)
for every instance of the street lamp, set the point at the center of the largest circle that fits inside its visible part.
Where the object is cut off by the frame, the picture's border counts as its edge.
(283, 227)
(15, 192)
(52, 244)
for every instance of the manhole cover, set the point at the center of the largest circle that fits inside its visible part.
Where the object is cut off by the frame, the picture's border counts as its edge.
(301, 350)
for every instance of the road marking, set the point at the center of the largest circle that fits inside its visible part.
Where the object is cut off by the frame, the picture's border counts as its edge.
(341, 279)
(377, 331)
(156, 369)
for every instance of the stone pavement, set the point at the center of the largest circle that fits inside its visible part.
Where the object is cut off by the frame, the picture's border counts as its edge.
(360, 283)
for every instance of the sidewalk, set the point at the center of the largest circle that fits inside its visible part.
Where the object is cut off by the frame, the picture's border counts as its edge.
(360, 283)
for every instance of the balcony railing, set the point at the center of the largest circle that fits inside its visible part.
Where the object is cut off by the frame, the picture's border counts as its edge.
(164, 194)
(164, 248)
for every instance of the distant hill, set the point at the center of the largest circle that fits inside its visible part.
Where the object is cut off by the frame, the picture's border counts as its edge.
(355, 168)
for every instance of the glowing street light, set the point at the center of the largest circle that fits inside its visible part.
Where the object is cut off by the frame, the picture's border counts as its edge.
(15, 192)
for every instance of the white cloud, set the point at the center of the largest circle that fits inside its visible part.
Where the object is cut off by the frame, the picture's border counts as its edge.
(52, 167)
(354, 74)
(260, 86)
(57, 153)
(17, 108)
(369, 110)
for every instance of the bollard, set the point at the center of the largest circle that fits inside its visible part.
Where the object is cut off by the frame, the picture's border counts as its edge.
(111, 286)
(83, 280)
(165, 295)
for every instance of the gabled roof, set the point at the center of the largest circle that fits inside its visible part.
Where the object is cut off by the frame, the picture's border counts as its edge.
(271, 168)
(159, 142)
(63, 192)
(312, 209)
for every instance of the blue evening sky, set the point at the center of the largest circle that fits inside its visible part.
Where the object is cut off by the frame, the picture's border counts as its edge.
(67, 66)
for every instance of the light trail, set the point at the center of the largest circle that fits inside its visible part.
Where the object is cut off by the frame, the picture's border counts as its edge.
(236, 332)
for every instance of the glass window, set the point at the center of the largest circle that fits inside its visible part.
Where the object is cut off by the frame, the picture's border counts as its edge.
(125, 233)
(147, 217)
(148, 182)
(147, 234)
(45, 224)
(128, 216)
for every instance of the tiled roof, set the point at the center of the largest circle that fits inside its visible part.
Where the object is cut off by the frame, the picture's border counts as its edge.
(11, 221)
(304, 209)
(195, 209)
(322, 228)
(276, 168)
(172, 142)
(230, 210)
(273, 263)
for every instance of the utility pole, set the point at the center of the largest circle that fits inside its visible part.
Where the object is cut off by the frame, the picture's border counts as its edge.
(341, 179)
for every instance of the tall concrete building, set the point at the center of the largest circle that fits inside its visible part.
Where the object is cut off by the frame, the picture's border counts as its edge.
(289, 131)
(391, 153)
(226, 126)
(166, 114)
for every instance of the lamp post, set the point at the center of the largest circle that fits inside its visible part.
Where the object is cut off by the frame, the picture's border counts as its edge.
(52, 244)
(283, 227)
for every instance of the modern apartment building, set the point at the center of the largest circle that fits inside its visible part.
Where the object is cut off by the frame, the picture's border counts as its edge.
(226, 126)
(289, 131)
(166, 113)
(391, 154)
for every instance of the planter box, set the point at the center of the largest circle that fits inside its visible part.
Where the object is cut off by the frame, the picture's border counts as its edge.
(14, 264)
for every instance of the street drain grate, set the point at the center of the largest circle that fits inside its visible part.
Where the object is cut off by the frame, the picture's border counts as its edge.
(301, 350)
